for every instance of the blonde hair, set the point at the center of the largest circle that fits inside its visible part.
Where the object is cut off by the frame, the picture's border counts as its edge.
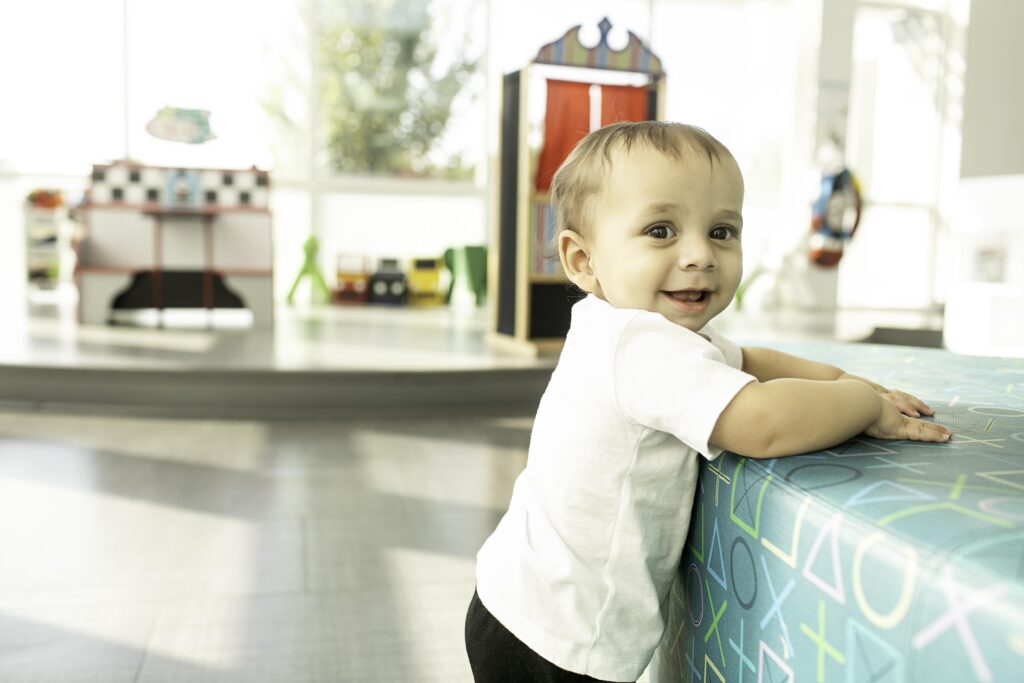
(578, 178)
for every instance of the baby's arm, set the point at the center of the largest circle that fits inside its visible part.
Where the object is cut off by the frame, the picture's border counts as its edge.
(788, 416)
(768, 364)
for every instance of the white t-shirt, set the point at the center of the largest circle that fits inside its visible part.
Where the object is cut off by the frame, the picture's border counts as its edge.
(581, 564)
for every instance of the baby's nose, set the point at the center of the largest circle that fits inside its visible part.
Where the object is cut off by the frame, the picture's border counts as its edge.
(696, 254)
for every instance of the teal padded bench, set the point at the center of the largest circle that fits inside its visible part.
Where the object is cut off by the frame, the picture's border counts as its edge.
(871, 561)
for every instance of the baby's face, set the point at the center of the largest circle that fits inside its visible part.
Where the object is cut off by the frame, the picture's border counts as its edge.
(665, 234)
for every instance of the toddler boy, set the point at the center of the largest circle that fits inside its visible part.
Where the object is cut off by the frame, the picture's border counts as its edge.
(571, 586)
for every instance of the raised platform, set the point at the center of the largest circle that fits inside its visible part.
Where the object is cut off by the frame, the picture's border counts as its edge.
(323, 362)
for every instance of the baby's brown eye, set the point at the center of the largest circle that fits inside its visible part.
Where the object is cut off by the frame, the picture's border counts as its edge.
(660, 232)
(723, 232)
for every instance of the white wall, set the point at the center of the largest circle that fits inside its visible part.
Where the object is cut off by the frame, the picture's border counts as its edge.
(985, 306)
(993, 125)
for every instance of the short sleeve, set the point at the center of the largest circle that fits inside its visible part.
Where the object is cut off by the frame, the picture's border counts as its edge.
(673, 380)
(730, 350)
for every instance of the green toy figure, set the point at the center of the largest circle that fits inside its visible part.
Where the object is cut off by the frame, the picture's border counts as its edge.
(309, 267)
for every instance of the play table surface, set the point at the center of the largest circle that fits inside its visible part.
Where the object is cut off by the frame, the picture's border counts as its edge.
(872, 560)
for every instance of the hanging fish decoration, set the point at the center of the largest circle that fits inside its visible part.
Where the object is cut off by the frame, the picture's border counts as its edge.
(181, 125)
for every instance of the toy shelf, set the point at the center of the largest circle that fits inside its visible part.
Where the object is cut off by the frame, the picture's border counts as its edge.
(45, 236)
(160, 238)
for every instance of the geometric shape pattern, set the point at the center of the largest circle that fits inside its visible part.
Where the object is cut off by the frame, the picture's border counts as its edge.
(744, 661)
(693, 591)
(771, 668)
(718, 674)
(790, 557)
(856, 548)
(815, 472)
(856, 447)
(824, 647)
(776, 606)
(746, 576)
(1012, 478)
(908, 570)
(697, 543)
(834, 590)
(745, 511)
(885, 491)
(716, 616)
(961, 601)
(717, 569)
(870, 658)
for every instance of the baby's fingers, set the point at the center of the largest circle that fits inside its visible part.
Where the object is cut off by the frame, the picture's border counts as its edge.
(920, 405)
(905, 406)
(910, 405)
(918, 430)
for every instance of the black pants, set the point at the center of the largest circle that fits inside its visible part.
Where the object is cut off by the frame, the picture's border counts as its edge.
(497, 656)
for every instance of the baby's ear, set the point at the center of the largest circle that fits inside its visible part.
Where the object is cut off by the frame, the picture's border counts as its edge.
(574, 252)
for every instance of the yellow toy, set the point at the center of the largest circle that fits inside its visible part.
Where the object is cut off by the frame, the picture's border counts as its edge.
(425, 282)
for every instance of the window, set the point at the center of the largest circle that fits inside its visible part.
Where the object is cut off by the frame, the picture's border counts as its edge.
(212, 56)
(399, 87)
(63, 94)
(898, 145)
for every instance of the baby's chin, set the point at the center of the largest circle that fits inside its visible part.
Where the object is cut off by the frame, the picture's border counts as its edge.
(693, 321)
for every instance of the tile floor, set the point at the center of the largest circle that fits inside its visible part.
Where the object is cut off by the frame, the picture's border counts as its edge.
(173, 550)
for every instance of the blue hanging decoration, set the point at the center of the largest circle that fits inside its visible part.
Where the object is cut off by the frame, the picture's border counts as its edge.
(835, 216)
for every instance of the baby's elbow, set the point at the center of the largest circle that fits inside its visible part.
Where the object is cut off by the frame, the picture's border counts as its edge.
(758, 444)
(746, 426)
(770, 446)
(753, 440)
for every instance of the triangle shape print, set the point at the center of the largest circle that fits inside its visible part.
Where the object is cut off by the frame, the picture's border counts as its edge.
(828, 532)
(715, 551)
(885, 491)
(771, 667)
(870, 657)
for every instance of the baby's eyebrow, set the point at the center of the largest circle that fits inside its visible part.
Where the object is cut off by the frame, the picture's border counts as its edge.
(729, 214)
(666, 207)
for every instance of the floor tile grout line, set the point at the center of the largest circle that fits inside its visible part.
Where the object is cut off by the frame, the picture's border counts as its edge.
(149, 641)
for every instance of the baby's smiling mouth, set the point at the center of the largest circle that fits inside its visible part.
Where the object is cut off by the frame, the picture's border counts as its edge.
(693, 296)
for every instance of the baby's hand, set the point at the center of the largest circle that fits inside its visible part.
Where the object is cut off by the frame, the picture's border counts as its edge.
(905, 403)
(894, 424)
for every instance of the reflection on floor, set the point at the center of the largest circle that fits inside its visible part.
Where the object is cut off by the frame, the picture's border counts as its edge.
(302, 338)
(173, 550)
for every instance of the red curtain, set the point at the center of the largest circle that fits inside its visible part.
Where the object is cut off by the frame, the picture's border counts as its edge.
(566, 122)
(623, 103)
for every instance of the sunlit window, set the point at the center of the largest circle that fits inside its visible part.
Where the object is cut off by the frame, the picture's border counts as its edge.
(895, 147)
(399, 86)
(62, 84)
(213, 57)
